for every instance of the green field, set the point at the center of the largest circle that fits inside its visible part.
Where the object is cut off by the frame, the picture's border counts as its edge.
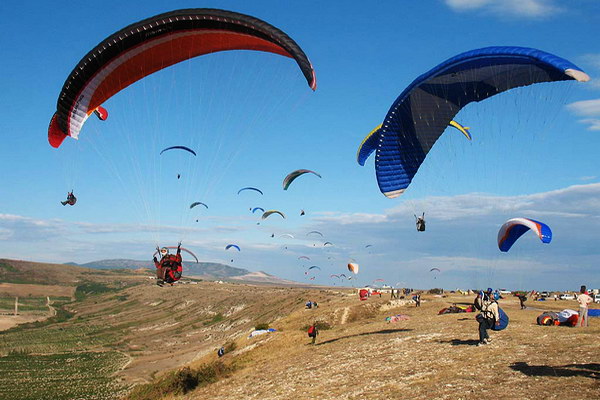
(7, 303)
(29, 377)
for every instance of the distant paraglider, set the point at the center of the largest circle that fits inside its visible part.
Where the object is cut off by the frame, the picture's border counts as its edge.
(235, 246)
(291, 177)
(198, 203)
(71, 199)
(179, 148)
(250, 188)
(314, 233)
(255, 209)
(353, 267)
(514, 228)
(420, 222)
(266, 214)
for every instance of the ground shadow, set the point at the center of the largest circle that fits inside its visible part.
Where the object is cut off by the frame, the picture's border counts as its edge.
(460, 342)
(380, 332)
(466, 319)
(591, 370)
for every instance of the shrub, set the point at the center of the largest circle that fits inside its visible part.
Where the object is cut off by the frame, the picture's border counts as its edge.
(261, 326)
(180, 382)
(321, 325)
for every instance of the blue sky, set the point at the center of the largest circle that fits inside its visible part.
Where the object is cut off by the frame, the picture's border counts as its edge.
(252, 119)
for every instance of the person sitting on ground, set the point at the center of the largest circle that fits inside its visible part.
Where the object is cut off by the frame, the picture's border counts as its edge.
(221, 352)
(488, 317)
(169, 268)
(71, 199)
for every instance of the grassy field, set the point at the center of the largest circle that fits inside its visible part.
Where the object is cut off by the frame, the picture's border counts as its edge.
(66, 376)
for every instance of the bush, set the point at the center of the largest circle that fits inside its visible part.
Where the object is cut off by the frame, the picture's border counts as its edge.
(321, 325)
(217, 318)
(436, 291)
(180, 382)
(229, 347)
(261, 326)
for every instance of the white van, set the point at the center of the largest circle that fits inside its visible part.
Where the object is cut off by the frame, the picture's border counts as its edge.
(567, 296)
(596, 298)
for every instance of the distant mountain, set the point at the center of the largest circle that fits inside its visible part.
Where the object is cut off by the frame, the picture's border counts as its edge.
(206, 270)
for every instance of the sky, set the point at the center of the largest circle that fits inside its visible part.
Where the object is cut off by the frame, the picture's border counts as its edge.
(252, 119)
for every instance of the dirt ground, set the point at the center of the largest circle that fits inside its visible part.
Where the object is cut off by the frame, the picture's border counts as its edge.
(428, 357)
(24, 290)
(8, 321)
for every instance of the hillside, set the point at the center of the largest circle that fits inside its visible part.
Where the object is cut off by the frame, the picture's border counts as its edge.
(139, 333)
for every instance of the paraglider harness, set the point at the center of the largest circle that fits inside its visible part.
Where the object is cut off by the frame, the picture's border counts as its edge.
(71, 199)
(171, 263)
(420, 222)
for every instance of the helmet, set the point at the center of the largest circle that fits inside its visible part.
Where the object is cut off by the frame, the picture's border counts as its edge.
(164, 251)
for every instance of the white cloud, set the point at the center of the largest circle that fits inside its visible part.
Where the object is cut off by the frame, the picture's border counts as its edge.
(594, 124)
(585, 108)
(520, 8)
(588, 178)
(460, 239)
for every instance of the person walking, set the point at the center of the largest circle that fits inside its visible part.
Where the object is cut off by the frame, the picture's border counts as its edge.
(313, 331)
(583, 299)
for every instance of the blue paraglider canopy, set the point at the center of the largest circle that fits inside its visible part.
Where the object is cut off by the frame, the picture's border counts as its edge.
(424, 109)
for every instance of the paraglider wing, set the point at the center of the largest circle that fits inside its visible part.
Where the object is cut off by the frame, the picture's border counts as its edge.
(287, 181)
(304, 257)
(369, 245)
(327, 244)
(197, 203)
(148, 46)
(101, 113)
(288, 235)
(435, 269)
(514, 228)
(266, 214)
(235, 246)
(315, 266)
(463, 129)
(368, 146)
(334, 276)
(250, 188)
(182, 249)
(370, 142)
(423, 110)
(257, 208)
(179, 148)
(314, 233)
(353, 267)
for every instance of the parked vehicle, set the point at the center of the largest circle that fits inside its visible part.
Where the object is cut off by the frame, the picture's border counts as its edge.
(596, 298)
(544, 294)
(567, 296)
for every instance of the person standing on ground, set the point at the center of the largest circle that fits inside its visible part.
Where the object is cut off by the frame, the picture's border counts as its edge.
(488, 317)
(522, 300)
(583, 299)
(313, 331)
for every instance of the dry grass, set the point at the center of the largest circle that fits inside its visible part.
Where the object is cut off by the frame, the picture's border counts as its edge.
(428, 357)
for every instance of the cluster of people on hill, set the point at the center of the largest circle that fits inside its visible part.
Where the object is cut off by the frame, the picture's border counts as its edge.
(311, 304)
